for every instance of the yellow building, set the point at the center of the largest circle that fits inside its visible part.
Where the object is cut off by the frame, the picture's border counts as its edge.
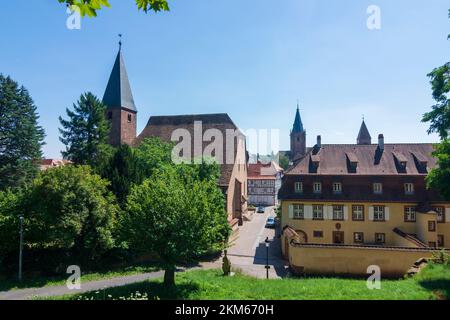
(347, 207)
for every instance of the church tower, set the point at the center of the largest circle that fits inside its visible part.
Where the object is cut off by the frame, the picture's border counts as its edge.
(364, 137)
(121, 110)
(298, 138)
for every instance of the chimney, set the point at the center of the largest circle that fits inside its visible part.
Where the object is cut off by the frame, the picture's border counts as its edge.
(381, 142)
(319, 142)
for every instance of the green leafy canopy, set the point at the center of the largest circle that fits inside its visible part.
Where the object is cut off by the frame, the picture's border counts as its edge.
(90, 7)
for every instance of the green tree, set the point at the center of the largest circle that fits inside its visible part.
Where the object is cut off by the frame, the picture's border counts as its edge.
(90, 7)
(85, 133)
(177, 216)
(284, 162)
(10, 210)
(21, 138)
(123, 170)
(439, 118)
(439, 178)
(153, 153)
(71, 208)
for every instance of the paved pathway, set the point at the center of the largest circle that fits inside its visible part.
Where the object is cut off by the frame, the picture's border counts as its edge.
(249, 253)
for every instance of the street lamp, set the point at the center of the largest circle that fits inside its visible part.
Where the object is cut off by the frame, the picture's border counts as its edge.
(267, 257)
(21, 247)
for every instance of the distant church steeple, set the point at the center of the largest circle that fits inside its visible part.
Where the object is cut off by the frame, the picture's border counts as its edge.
(118, 98)
(364, 137)
(298, 137)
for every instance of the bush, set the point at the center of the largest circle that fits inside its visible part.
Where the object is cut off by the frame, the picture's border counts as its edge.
(71, 208)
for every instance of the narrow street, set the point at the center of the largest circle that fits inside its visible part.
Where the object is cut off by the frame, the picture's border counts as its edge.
(249, 252)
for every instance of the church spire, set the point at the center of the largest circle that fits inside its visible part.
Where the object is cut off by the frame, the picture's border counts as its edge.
(298, 125)
(118, 91)
(118, 99)
(364, 137)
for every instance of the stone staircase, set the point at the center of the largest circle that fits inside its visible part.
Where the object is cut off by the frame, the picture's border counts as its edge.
(417, 267)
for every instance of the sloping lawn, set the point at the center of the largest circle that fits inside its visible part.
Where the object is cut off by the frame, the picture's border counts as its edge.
(432, 283)
(7, 284)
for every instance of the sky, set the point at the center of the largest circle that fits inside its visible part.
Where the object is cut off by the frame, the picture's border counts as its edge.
(252, 59)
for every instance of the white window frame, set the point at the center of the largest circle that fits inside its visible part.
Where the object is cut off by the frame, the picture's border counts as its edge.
(379, 213)
(440, 214)
(338, 215)
(409, 188)
(378, 188)
(410, 214)
(317, 190)
(337, 187)
(299, 211)
(298, 187)
(318, 212)
(359, 213)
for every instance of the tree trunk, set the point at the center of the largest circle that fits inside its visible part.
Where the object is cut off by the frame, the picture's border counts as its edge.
(169, 277)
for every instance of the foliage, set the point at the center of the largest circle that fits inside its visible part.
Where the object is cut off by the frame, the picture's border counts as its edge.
(123, 170)
(177, 216)
(284, 162)
(439, 177)
(441, 257)
(440, 114)
(153, 154)
(431, 283)
(21, 138)
(86, 132)
(90, 7)
(439, 117)
(10, 210)
(71, 208)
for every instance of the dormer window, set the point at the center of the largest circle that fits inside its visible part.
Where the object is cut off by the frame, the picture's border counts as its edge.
(337, 188)
(299, 187)
(317, 187)
(378, 188)
(409, 188)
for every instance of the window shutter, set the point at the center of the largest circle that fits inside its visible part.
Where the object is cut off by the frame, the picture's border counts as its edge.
(345, 212)
(371, 213)
(291, 211)
(325, 212)
(447, 214)
(386, 213)
(308, 212)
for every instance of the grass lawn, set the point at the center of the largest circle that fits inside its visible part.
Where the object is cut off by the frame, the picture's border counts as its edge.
(38, 282)
(432, 283)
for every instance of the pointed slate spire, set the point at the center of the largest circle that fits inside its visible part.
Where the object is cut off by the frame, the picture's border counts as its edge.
(298, 125)
(118, 93)
(364, 137)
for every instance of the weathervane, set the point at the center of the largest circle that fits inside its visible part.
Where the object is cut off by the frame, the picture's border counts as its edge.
(120, 40)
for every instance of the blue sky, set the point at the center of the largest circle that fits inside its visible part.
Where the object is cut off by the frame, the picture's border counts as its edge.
(249, 58)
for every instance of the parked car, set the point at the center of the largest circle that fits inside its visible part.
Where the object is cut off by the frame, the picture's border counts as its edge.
(261, 209)
(271, 222)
